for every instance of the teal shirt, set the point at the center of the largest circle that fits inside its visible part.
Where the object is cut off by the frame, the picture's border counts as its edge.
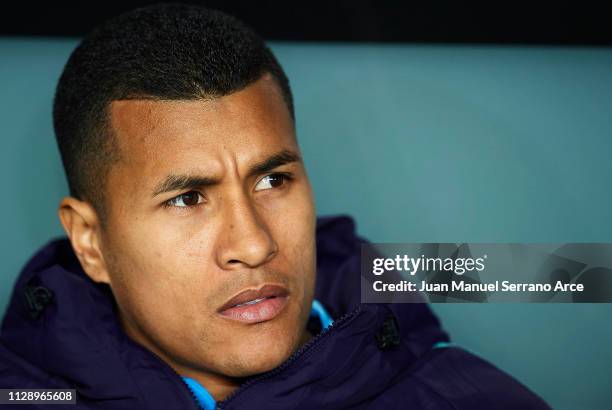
(206, 400)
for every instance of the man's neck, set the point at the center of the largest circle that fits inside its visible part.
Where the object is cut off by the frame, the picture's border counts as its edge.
(219, 386)
(216, 385)
(222, 386)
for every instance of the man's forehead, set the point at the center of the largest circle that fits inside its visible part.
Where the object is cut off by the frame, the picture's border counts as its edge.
(142, 125)
(253, 116)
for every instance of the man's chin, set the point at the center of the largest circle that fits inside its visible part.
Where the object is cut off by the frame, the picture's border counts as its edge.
(258, 348)
(253, 360)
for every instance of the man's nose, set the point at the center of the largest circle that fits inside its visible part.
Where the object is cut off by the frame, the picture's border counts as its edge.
(246, 240)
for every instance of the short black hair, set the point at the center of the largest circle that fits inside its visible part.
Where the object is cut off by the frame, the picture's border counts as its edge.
(164, 52)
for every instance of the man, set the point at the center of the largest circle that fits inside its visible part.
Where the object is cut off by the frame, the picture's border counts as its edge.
(195, 274)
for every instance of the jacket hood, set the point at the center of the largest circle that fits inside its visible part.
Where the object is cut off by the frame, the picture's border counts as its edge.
(61, 330)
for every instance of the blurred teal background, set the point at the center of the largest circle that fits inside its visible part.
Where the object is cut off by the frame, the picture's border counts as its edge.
(419, 144)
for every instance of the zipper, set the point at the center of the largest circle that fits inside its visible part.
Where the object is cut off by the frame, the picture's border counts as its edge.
(291, 360)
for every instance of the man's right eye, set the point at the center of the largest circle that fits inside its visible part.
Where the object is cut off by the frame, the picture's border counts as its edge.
(186, 200)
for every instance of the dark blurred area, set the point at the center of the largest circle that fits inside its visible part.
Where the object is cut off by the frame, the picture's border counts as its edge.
(558, 23)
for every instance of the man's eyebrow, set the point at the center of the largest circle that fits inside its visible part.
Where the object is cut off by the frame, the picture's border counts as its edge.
(182, 182)
(185, 182)
(275, 161)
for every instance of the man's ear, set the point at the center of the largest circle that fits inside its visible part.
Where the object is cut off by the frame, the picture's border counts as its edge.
(82, 226)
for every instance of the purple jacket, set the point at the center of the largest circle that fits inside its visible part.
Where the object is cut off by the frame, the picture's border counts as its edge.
(61, 331)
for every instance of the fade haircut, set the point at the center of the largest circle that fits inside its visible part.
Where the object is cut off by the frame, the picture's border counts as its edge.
(160, 52)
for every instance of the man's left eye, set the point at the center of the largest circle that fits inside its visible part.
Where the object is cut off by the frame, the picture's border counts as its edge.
(271, 181)
(186, 200)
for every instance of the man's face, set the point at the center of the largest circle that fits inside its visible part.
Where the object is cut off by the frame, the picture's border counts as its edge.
(210, 198)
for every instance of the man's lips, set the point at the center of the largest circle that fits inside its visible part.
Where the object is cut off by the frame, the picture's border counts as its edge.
(256, 305)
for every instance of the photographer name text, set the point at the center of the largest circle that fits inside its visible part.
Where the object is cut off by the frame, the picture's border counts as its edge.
(464, 286)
